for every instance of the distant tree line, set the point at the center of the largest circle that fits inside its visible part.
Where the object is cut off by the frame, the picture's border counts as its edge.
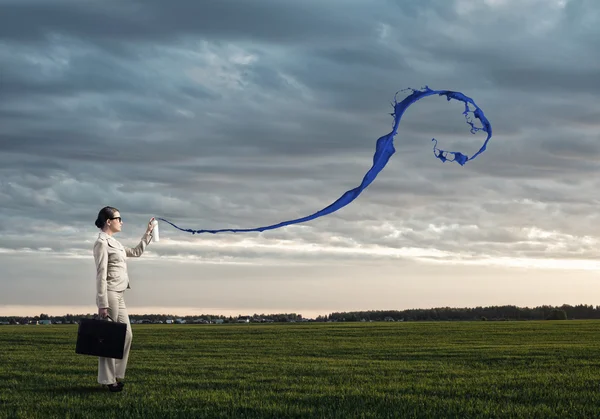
(160, 318)
(492, 313)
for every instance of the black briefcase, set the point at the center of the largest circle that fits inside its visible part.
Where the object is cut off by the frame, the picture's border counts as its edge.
(101, 338)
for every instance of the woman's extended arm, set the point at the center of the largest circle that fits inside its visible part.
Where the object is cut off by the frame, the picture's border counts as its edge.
(139, 249)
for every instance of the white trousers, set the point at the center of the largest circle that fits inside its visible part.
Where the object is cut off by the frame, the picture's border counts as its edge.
(109, 369)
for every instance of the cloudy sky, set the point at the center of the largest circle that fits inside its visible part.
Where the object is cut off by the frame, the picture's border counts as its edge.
(239, 114)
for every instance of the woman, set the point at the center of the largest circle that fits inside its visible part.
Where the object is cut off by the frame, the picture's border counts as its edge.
(111, 282)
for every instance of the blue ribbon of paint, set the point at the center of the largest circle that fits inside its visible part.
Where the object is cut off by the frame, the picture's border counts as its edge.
(383, 151)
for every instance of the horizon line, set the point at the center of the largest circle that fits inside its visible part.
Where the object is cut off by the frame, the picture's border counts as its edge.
(7, 310)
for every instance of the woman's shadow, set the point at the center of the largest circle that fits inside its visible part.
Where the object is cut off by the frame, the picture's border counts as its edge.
(78, 389)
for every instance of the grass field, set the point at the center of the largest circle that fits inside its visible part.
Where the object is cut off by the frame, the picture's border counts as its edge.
(364, 370)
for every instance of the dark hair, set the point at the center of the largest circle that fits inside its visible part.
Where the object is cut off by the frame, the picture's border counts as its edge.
(105, 213)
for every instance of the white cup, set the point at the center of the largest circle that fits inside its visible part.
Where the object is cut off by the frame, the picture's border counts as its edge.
(155, 237)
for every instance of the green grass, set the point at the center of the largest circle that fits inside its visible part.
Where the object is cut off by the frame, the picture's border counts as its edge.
(363, 370)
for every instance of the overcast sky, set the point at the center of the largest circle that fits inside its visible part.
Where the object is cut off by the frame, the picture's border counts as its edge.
(240, 114)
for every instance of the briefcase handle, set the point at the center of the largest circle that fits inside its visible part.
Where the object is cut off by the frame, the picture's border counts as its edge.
(99, 318)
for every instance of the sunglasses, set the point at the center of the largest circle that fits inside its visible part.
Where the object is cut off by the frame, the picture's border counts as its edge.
(117, 218)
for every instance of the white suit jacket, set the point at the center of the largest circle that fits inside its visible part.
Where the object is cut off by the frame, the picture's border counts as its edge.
(111, 265)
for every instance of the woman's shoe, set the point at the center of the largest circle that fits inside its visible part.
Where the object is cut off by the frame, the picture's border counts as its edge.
(115, 388)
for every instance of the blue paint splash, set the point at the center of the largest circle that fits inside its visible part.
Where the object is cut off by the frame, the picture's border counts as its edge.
(383, 151)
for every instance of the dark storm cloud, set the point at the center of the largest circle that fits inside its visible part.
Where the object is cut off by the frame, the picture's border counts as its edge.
(156, 21)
